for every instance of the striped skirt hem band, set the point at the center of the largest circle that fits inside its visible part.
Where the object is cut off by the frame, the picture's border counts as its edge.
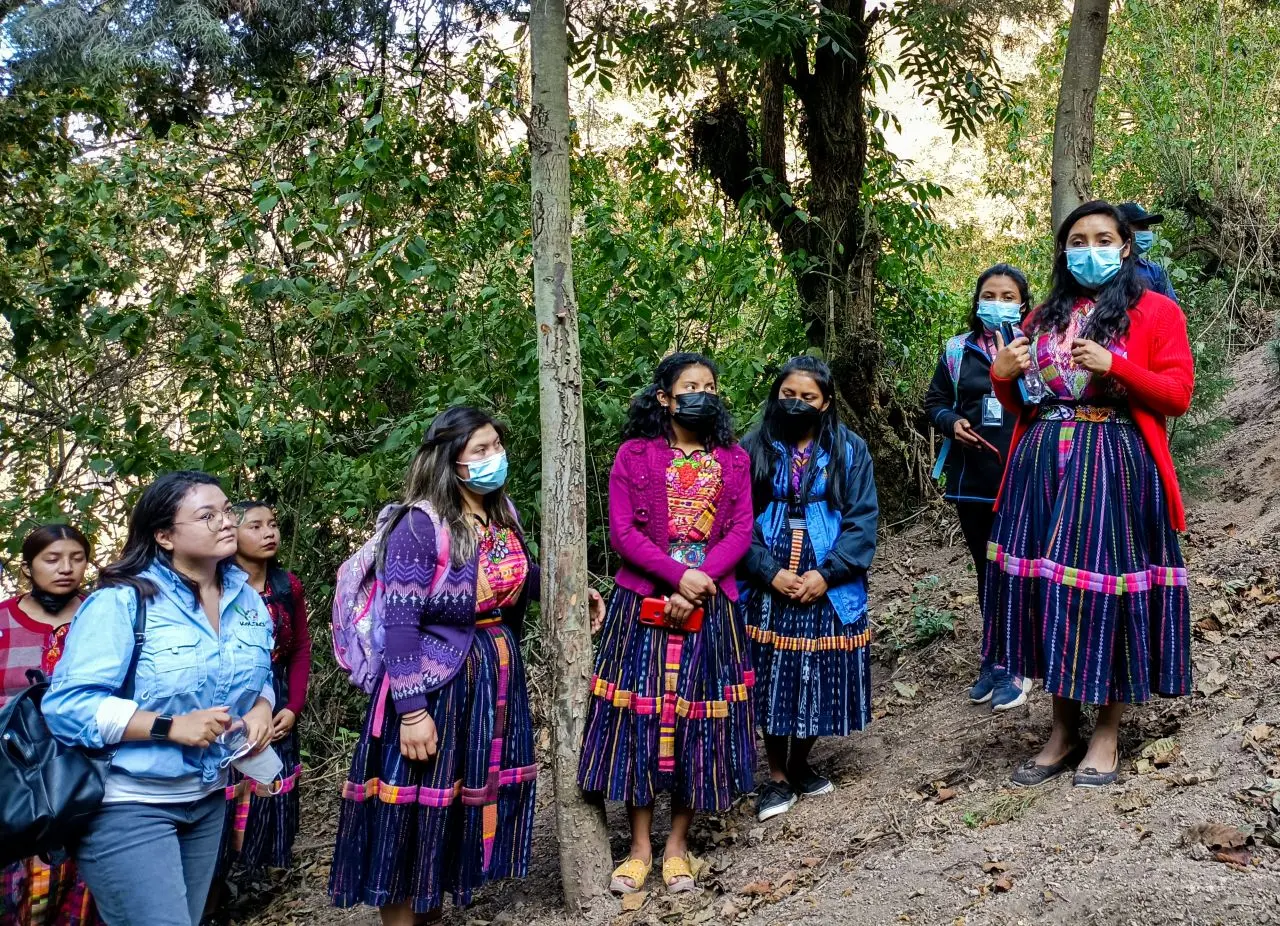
(435, 797)
(246, 786)
(1044, 568)
(848, 644)
(694, 710)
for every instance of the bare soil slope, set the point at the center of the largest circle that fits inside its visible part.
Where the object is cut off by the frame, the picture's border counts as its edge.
(923, 828)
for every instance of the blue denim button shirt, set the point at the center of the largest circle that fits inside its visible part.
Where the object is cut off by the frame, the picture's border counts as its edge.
(183, 667)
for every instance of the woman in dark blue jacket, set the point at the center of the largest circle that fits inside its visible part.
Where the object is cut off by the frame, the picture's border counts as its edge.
(961, 404)
(813, 541)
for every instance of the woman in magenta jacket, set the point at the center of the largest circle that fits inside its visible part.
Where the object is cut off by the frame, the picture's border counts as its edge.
(671, 707)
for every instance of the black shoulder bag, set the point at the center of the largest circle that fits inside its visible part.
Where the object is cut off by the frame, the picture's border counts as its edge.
(47, 788)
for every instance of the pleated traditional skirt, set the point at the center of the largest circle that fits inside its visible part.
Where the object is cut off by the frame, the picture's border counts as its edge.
(813, 672)
(670, 712)
(412, 831)
(262, 819)
(35, 894)
(1086, 587)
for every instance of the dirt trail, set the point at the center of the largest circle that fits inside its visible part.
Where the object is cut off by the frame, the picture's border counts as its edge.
(923, 828)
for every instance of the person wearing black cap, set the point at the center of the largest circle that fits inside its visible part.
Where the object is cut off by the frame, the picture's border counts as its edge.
(1150, 273)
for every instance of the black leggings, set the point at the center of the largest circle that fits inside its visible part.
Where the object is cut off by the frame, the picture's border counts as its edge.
(976, 519)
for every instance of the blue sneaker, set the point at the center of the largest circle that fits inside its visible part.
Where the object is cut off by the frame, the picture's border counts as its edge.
(1010, 690)
(982, 689)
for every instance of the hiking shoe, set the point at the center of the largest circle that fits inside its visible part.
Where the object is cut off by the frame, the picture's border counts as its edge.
(1010, 690)
(981, 691)
(776, 798)
(808, 783)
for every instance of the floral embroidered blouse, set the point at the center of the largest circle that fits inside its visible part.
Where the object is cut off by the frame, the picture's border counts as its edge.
(504, 567)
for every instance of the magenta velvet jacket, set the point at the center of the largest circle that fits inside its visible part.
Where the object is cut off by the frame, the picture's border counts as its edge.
(638, 518)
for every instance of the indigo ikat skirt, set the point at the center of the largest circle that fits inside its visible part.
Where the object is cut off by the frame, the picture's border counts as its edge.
(670, 712)
(262, 819)
(813, 672)
(1086, 587)
(414, 831)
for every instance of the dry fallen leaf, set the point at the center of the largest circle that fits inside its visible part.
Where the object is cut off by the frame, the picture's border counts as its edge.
(946, 794)
(811, 861)
(1162, 752)
(1213, 636)
(729, 910)
(1273, 655)
(756, 889)
(989, 867)
(1235, 856)
(634, 901)
(1003, 884)
(1214, 835)
(906, 689)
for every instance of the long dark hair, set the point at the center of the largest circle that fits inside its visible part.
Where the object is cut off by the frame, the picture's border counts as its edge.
(999, 270)
(277, 576)
(155, 511)
(46, 535)
(432, 477)
(647, 417)
(1109, 319)
(830, 435)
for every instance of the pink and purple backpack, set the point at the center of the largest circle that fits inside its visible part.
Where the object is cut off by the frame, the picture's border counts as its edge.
(357, 620)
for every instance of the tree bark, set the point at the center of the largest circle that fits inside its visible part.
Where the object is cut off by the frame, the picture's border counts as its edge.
(836, 279)
(1072, 173)
(580, 827)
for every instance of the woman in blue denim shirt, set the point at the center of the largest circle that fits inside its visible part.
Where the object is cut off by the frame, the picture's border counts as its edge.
(148, 854)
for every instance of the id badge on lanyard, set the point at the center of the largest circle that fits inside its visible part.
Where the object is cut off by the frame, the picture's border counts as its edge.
(992, 412)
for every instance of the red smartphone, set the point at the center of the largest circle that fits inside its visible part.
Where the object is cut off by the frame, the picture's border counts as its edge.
(653, 611)
(988, 445)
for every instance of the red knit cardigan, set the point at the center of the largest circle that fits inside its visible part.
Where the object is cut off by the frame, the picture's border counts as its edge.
(1158, 374)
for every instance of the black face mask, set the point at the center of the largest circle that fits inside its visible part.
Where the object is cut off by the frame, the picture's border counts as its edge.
(52, 603)
(697, 411)
(798, 417)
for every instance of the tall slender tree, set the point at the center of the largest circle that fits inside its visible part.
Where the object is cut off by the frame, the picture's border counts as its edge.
(584, 843)
(1072, 172)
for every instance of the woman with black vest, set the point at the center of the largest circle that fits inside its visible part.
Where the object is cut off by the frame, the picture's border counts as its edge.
(961, 404)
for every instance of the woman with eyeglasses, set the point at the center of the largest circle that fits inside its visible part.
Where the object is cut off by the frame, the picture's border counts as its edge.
(148, 854)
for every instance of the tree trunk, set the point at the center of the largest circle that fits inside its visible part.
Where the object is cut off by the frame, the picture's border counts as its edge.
(580, 828)
(1072, 174)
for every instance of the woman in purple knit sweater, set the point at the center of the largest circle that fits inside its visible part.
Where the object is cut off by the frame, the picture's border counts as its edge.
(671, 708)
(441, 791)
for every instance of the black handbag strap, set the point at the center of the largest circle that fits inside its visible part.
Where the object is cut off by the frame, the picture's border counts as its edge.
(139, 637)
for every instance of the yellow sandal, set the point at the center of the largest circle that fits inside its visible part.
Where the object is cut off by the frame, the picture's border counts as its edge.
(677, 875)
(633, 869)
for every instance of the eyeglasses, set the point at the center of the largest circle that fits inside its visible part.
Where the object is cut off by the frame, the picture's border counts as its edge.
(214, 520)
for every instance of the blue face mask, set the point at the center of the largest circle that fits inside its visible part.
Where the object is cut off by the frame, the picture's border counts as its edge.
(993, 313)
(1093, 268)
(487, 475)
(1144, 241)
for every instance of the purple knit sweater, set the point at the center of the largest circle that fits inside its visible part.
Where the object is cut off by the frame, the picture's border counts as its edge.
(429, 632)
(638, 515)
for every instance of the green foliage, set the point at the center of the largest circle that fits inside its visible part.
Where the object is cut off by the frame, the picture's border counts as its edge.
(288, 295)
(916, 620)
(1180, 78)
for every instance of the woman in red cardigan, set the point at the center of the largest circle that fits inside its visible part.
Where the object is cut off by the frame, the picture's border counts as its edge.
(1089, 589)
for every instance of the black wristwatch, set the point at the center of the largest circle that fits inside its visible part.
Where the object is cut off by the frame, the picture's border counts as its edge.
(160, 728)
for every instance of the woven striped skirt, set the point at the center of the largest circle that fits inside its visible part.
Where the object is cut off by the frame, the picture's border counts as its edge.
(1087, 588)
(35, 894)
(670, 711)
(262, 819)
(813, 673)
(411, 831)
